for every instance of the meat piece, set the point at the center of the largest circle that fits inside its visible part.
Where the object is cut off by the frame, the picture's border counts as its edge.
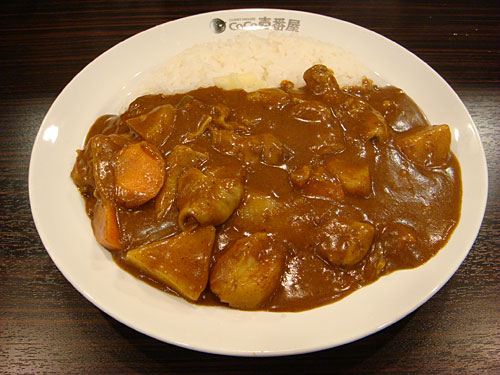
(203, 124)
(155, 126)
(103, 150)
(264, 148)
(321, 82)
(93, 172)
(428, 147)
(267, 146)
(181, 158)
(105, 225)
(181, 262)
(271, 98)
(344, 242)
(354, 175)
(247, 273)
(108, 125)
(193, 117)
(355, 114)
(328, 133)
(82, 173)
(400, 243)
(206, 200)
(227, 142)
(220, 114)
(300, 176)
(361, 119)
(139, 174)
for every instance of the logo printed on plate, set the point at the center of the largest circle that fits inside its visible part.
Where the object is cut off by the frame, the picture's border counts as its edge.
(218, 25)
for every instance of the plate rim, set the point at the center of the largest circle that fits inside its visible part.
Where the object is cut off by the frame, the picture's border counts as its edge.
(45, 240)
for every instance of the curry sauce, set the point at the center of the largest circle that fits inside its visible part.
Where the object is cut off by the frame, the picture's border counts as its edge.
(292, 197)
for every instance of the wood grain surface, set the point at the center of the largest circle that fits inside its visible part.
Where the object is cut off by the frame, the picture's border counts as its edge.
(46, 326)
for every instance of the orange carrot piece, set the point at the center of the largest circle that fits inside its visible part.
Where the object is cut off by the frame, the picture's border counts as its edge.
(139, 174)
(105, 225)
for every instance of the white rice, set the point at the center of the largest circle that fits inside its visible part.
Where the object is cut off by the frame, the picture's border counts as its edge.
(251, 62)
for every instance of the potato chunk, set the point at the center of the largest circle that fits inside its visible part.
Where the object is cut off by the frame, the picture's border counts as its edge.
(247, 274)
(259, 212)
(105, 225)
(181, 262)
(259, 206)
(139, 174)
(322, 185)
(354, 175)
(428, 147)
(206, 200)
(346, 242)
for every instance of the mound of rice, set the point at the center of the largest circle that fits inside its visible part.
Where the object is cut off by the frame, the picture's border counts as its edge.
(250, 62)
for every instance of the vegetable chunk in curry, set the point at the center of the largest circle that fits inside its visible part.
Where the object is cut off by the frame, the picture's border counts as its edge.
(282, 199)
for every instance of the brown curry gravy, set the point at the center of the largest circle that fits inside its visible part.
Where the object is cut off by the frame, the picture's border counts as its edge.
(413, 209)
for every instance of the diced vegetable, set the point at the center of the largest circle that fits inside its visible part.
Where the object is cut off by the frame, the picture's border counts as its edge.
(323, 186)
(105, 225)
(257, 207)
(260, 212)
(344, 242)
(354, 175)
(428, 147)
(247, 274)
(139, 174)
(181, 262)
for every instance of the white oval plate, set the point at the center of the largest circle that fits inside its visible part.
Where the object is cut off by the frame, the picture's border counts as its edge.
(59, 214)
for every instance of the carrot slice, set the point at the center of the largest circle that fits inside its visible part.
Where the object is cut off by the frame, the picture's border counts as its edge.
(139, 174)
(105, 225)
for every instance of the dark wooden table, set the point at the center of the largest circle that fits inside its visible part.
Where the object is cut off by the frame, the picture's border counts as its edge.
(46, 326)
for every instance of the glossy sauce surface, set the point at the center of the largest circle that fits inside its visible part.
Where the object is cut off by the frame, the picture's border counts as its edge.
(412, 208)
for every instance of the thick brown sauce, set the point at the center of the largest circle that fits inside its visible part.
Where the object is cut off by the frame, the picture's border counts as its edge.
(404, 196)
